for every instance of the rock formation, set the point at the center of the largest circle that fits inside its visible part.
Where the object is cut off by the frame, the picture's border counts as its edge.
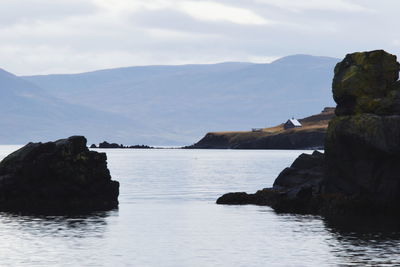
(60, 177)
(360, 171)
(105, 144)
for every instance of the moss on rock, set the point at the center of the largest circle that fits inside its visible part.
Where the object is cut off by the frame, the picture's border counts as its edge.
(365, 82)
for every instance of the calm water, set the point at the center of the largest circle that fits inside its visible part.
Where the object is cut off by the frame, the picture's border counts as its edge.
(167, 217)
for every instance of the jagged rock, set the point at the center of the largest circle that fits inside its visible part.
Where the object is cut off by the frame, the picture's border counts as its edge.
(359, 172)
(305, 170)
(61, 177)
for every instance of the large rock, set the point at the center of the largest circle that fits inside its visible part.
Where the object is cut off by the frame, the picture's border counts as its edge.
(366, 82)
(363, 146)
(61, 176)
(360, 170)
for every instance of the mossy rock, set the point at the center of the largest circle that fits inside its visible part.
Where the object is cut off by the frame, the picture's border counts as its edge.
(362, 80)
(379, 133)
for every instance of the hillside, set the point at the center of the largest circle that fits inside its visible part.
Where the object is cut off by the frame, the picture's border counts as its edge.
(310, 136)
(175, 105)
(29, 113)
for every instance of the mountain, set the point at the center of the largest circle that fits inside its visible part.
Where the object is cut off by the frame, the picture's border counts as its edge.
(176, 105)
(29, 113)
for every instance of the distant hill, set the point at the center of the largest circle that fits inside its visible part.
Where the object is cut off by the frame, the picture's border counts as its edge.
(29, 113)
(176, 105)
(311, 135)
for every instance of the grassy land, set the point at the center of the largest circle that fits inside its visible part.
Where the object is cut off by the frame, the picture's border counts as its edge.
(313, 123)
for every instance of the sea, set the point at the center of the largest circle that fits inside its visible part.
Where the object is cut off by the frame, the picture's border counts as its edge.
(168, 217)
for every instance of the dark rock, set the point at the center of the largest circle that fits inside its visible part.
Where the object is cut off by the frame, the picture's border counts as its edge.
(108, 145)
(306, 170)
(140, 147)
(60, 177)
(93, 146)
(237, 198)
(115, 145)
(363, 150)
(262, 197)
(363, 156)
(359, 172)
(292, 191)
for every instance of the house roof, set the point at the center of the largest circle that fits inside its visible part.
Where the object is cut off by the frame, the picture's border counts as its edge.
(295, 122)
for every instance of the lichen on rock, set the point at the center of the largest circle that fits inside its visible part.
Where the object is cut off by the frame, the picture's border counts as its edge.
(366, 83)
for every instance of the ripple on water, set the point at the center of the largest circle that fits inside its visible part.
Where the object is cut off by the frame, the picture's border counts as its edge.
(168, 217)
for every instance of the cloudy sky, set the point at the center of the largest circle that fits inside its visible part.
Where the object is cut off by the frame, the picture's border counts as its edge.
(69, 36)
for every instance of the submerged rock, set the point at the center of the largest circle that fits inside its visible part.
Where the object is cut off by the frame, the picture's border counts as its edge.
(360, 170)
(61, 176)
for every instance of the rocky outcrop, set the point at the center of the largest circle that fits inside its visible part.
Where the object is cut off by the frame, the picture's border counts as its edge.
(292, 190)
(367, 83)
(363, 143)
(105, 144)
(359, 172)
(57, 177)
(110, 145)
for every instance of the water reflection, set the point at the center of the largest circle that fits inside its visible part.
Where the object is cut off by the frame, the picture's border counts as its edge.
(365, 241)
(76, 226)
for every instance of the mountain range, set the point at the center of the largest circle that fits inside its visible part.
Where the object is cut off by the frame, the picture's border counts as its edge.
(162, 105)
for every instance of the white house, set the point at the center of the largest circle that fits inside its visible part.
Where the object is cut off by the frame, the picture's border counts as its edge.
(292, 123)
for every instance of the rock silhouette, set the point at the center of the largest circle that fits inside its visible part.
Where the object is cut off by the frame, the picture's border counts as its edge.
(60, 177)
(105, 144)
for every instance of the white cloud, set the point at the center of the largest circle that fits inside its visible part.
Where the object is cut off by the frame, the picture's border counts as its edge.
(300, 5)
(26, 11)
(126, 6)
(212, 11)
(47, 36)
(177, 35)
(202, 10)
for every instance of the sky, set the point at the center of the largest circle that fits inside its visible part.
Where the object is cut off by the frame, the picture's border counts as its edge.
(71, 36)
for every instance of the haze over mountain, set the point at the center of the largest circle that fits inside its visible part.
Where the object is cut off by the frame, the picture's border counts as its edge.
(163, 105)
(31, 114)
